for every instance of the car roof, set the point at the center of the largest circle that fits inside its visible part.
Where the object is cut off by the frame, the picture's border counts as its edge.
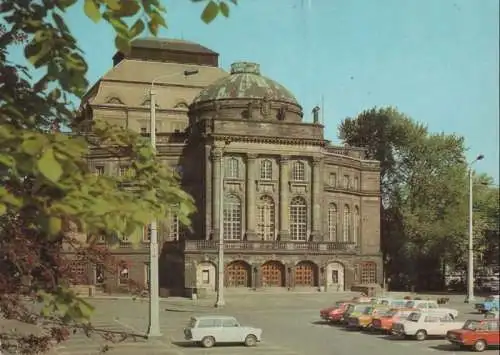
(212, 317)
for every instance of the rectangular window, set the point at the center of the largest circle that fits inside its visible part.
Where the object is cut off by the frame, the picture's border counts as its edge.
(146, 233)
(123, 276)
(173, 228)
(205, 277)
(123, 171)
(347, 182)
(144, 130)
(356, 183)
(99, 274)
(332, 181)
(99, 170)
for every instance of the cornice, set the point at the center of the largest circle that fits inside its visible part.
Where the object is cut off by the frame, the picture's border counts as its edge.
(360, 193)
(268, 140)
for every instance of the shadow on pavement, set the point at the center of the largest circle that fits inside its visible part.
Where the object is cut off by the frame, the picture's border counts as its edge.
(178, 310)
(321, 322)
(445, 347)
(188, 344)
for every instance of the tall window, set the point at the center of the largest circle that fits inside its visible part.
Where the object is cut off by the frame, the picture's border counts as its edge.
(123, 170)
(298, 171)
(232, 168)
(346, 227)
(356, 183)
(368, 273)
(173, 227)
(266, 170)
(265, 215)
(146, 233)
(347, 182)
(99, 170)
(232, 218)
(357, 225)
(298, 219)
(123, 275)
(332, 222)
(332, 181)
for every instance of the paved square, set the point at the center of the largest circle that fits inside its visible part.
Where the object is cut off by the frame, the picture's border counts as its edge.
(290, 323)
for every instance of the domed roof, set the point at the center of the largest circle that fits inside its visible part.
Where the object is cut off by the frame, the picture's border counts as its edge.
(245, 82)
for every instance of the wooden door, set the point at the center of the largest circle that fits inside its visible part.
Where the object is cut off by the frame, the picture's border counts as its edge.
(238, 275)
(272, 274)
(304, 274)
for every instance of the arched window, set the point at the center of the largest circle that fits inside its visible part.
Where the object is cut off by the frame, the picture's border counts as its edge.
(232, 218)
(332, 222)
(266, 218)
(368, 272)
(266, 170)
(298, 171)
(232, 168)
(357, 225)
(346, 227)
(298, 219)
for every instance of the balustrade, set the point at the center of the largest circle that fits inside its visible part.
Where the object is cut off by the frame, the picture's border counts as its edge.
(201, 245)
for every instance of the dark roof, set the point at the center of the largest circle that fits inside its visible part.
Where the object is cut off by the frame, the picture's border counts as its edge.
(171, 45)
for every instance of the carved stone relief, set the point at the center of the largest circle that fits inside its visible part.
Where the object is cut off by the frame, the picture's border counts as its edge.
(299, 188)
(234, 187)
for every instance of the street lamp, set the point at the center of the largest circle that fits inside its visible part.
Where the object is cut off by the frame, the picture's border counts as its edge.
(154, 298)
(220, 302)
(470, 264)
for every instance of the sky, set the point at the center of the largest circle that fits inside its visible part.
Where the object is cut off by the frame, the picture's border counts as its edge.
(435, 60)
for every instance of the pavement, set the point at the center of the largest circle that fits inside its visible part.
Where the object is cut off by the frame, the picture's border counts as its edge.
(290, 323)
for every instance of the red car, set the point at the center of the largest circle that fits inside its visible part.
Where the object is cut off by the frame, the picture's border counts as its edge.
(337, 315)
(325, 312)
(476, 334)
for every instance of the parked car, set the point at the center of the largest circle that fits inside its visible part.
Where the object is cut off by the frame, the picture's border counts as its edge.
(492, 315)
(209, 330)
(336, 315)
(476, 334)
(364, 320)
(383, 323)
(420, 325)
(431, 306)
(355, 310)
(325, 312)
(490, 303)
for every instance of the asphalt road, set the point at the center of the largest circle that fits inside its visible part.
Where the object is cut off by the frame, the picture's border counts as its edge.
(290, 324)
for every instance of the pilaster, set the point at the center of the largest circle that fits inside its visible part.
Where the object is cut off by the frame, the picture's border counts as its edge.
(284, 233)
(316, 232)
(250, 196)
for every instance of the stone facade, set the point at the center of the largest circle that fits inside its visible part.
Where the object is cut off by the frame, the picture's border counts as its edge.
(296, 211)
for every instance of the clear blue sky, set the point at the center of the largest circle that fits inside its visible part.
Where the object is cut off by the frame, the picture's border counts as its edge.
(435, 60)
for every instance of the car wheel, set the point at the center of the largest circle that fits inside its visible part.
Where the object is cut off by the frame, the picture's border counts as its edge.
(251, 340)
(207, 342)
(480, 346)
(421, 335)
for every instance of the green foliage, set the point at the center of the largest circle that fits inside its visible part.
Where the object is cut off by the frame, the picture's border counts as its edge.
(46, 186)
(424, 190)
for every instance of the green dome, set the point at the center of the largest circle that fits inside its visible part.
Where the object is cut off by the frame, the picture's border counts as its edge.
(245, 82)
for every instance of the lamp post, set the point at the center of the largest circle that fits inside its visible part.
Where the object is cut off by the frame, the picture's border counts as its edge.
(220, 302)
(154, 298)
(470, 264)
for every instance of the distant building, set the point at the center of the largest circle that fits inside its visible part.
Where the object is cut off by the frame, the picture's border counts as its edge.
(298, 211)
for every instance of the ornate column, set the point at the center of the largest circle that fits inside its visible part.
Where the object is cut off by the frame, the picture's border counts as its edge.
(216, 156)
(250, 196)
(284, 233)
(317, 187)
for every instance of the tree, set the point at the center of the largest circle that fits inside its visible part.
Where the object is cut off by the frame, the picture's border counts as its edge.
(46, 189)
(424, 192)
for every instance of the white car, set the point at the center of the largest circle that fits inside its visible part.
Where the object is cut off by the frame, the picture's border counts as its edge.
(209, 330)
(431, 306)
(420, 325)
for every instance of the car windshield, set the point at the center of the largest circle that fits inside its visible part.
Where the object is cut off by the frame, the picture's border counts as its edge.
(410, 304)
(350, 308)
(388, 313)
(471, 325)
(368, 310)
(414, 317)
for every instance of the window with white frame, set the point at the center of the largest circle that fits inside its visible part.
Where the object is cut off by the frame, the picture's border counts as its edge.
(123, 170)
(266, 218)
(346, 227)
(266, 169)
(298, 219)
(173, 227)
(232, 218)
(298, 171)
(357, 225)
(332, 222)
(146, 233)
(232, 169)
(332, 181)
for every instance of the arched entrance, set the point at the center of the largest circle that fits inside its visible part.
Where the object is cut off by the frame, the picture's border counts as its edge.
(335, 277)
(306, 274)
(273, 274)
(238, 274)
